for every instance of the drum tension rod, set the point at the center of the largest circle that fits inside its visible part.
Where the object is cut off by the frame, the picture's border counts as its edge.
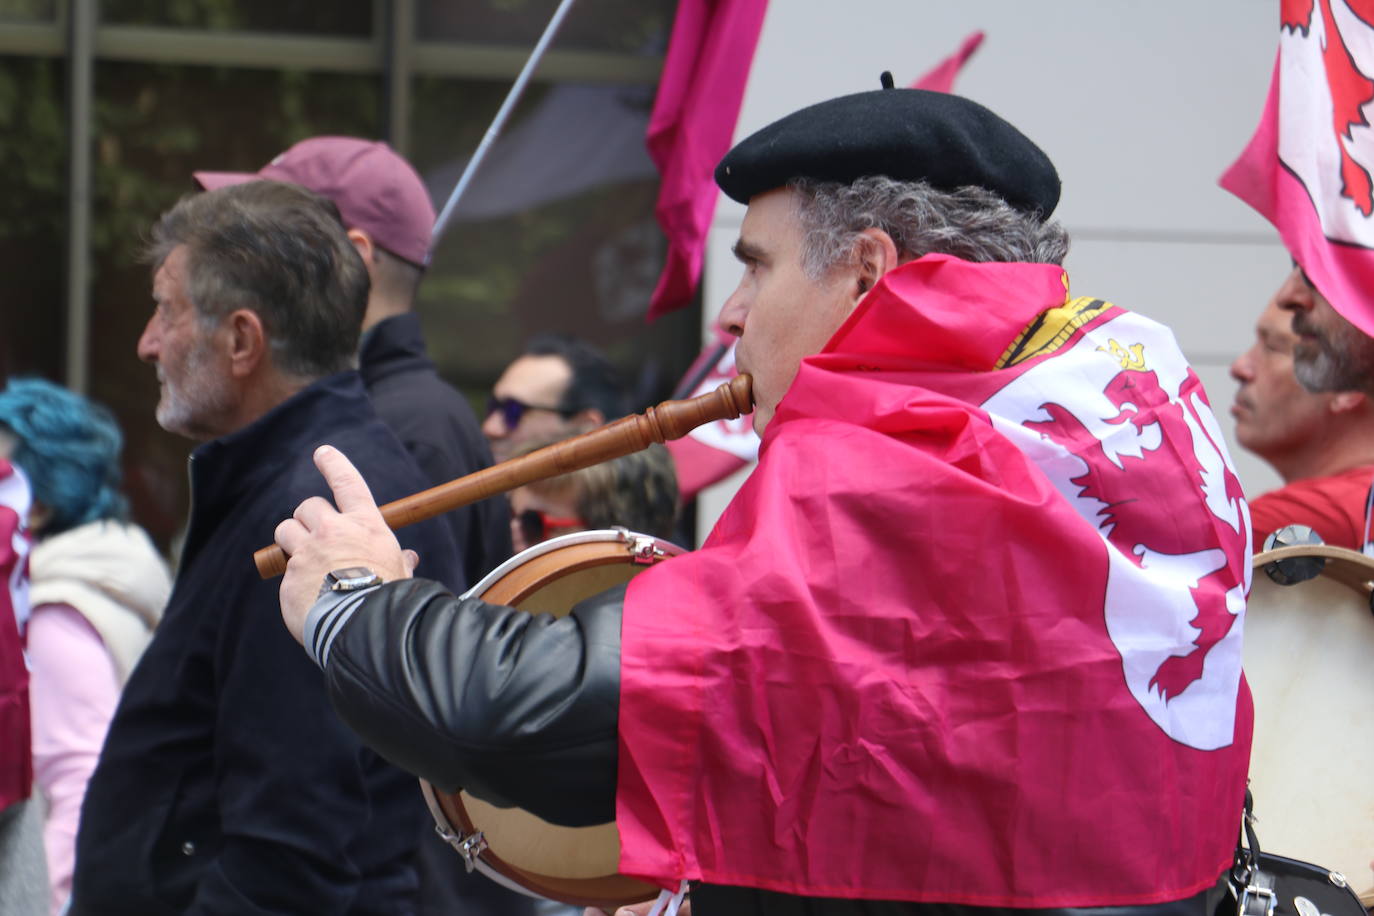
(1293, 570)
(469, 846)
(643, 550)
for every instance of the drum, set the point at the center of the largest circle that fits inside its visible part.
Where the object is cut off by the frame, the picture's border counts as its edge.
(575, 865)
(1309, 658)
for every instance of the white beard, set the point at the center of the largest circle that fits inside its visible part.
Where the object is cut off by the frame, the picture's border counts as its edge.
(192, 405)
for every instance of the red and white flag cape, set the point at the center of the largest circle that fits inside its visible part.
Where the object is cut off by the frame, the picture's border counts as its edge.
(970, 632)
(1308, 167)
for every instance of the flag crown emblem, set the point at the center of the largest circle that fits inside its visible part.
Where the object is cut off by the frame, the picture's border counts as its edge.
(1132, 357)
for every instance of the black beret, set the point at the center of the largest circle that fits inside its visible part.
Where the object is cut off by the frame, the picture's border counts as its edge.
(905, 134)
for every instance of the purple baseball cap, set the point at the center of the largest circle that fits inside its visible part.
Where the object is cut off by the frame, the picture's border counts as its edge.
(374, 188)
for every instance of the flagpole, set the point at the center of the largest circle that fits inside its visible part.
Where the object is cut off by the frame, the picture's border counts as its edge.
(516, 90)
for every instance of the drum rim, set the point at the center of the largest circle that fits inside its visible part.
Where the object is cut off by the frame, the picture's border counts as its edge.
(590, 536)
(1351, 568)
(615, 889)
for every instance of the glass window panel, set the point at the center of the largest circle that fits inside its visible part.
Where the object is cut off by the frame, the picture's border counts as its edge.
(155, 124)
(338, 17)
(555, 233)
(33, 216)
(27, 10)
(626, 26)
(560, 236)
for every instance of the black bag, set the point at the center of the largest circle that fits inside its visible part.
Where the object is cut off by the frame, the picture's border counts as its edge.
(1268, 885)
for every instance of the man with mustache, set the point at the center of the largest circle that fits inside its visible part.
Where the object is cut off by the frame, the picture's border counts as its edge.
(1321, 442)
(1331, 353)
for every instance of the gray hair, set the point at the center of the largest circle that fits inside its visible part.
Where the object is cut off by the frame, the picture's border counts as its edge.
(970, 223)
(281, 252)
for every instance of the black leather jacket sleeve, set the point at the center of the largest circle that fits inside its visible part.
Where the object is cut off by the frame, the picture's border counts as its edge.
(516, 708)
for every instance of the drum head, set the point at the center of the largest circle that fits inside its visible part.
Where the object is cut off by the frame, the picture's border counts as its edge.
(575, 865)
(1309, 659)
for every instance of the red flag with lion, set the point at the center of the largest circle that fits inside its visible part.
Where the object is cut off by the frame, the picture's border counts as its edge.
(1308, 167)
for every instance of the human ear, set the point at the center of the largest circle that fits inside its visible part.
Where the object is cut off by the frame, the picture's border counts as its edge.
(247, 341)
(367, 249)
(874, 255)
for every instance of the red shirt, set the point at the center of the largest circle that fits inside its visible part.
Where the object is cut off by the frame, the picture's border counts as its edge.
(1331, 506)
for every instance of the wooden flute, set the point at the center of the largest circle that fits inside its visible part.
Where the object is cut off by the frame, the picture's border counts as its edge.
(669, 420)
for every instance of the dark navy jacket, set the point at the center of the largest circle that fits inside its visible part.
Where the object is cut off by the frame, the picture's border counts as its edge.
(438, 428)
(436, 425)
(227, 784)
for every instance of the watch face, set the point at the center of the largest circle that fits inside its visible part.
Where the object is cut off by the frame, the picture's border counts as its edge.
(352, 572)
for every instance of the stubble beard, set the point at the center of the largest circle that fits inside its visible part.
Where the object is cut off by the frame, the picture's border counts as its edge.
(1334, 359)
(192, 404)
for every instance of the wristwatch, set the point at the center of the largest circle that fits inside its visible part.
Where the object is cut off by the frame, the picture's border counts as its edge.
(349, 579)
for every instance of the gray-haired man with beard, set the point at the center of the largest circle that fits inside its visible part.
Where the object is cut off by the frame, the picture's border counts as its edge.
(226, 783)
(1321, 440)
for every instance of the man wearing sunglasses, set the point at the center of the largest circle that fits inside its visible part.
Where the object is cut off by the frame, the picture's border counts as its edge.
(559, 387)
(943, 653)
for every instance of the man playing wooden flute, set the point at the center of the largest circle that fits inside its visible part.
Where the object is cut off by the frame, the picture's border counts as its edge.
(967, 639)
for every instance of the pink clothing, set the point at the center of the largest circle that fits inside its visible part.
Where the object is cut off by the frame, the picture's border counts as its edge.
(74, 691)
(97, 591)
(1331, 506)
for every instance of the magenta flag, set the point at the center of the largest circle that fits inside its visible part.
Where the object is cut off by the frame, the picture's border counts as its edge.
(969, 633)
(1307, 168)
(691, 128)
(941, 77)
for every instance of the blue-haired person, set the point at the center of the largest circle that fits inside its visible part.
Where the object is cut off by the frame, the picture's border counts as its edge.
(98, 587)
